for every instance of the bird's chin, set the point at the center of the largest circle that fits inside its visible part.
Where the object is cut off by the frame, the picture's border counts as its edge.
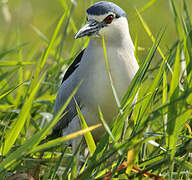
(96, 36)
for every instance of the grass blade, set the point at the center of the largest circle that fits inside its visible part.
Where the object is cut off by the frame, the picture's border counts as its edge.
(164, 101)
(14, 63)
(88, 136)
(9, 91)
(105, 124)
(173, 109)
(110, 77)
(148, 5)
(187, 17)
(176, 19)
(17, 125)
(57, 29)
(63, 139)
(31, 143)
(11, 50)
(152, 38)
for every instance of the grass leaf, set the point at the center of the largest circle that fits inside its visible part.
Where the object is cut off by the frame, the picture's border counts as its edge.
(11, 135)
(173, 109)
(88, 136)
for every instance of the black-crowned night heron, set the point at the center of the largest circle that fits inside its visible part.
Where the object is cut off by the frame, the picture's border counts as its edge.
(108, 20)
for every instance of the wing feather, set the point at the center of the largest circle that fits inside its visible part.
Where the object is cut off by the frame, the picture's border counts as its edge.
(65, 91)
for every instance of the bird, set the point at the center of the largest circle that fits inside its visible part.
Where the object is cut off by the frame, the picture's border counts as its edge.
(104, 20)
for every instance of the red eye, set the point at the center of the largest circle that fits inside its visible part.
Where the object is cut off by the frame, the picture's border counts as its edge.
(109, 19)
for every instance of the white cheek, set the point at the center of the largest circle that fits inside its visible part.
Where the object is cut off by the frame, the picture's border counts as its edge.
(115, 30)
(107, 31)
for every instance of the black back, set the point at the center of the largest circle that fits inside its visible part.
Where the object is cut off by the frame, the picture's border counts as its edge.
(73, 66)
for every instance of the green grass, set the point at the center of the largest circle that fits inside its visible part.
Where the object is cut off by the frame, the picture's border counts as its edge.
(30, 78)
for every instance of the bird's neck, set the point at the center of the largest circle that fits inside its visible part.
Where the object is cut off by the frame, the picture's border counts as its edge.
(115, 43)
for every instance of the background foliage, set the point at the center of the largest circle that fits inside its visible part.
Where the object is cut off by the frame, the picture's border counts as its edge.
(37, 45)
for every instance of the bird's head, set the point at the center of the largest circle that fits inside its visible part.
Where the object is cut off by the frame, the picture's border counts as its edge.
(104, 19)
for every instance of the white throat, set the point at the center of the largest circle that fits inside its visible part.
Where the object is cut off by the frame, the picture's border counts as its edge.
(123, 66)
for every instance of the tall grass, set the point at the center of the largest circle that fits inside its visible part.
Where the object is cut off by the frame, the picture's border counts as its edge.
(158, 137)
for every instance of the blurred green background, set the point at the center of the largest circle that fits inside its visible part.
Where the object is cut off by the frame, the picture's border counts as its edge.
(43, 14)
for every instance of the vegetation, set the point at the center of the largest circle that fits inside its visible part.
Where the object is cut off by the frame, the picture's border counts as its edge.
(158, 137)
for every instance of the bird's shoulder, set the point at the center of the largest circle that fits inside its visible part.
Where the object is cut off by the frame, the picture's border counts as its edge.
(73, 66)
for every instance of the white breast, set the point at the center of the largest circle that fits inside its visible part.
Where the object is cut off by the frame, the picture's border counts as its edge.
(96, 88)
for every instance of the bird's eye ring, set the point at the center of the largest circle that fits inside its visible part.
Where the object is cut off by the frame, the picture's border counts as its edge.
(109, 19)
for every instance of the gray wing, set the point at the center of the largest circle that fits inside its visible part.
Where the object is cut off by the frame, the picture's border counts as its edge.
(65, 91)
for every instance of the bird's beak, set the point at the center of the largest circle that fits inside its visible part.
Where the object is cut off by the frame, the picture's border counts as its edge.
(91, 28)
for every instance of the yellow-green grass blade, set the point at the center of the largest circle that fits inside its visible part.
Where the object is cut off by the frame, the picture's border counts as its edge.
(63, 139)
(9, 91)
(66, 8)
(110, 77)
(164, 101)
(84, 165)
(101, 155)
(105, 124)
(134, 87)
(182, 120)
(183, 163)
(11, 50)
(13, 133)
(64, 35)
(189, 99)
(60, 113)
(187, 17)
(14, 63)
(114, 94)
(56, 32)
(5, 107)
(146, 104)
(6, 93)
(44, 56)
(46, 98)
(136, 49)
(188, 62)
(40, 34)
(102, 144)
(88, 136)
(21, 70)
(58, 163)
(177, 20)
(124, 147)
(139, 76)
(148, 5)
(188, 56)
(148, 31)
(31, 143)
(176, 73)
(173, 109)
(163, 160)
(4, 75)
